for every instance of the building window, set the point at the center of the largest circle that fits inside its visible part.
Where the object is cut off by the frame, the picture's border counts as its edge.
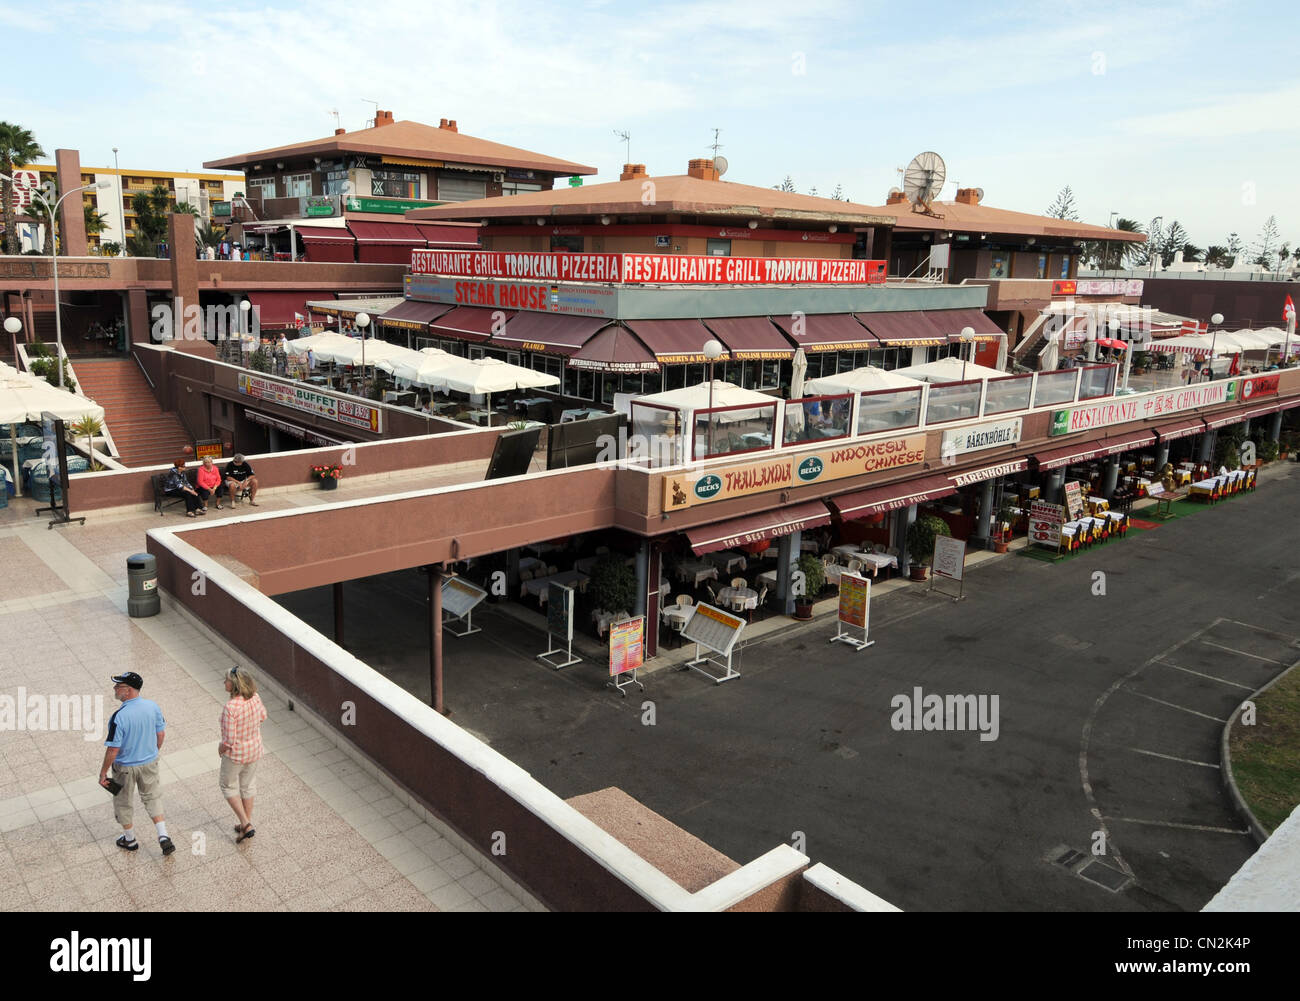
(518, 188)
(334, 182)
(1065, 265)
(262, 187)
(452, 188)
(297, 185)
(395, 183)
(573, 244)
(579, 383)
(719, 248)
(1042, 265)
(998, 267)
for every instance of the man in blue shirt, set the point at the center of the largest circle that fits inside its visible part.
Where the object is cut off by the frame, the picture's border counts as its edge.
(135, 736)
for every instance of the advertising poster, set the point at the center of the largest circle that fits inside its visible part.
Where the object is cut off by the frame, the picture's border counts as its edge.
(626, 646)
(1073, 500)
(853, 600)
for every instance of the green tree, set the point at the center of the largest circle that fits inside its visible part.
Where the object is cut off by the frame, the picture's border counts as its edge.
(1233, 248)
(1063, 207)
(1217, 256)
(1175, 237)
(151, 210)
(1266, 245)
(40, 212)
(110, 249)
(207, 235)
(1191, 252)
(95, 221)
(786, 185)
(18, 147)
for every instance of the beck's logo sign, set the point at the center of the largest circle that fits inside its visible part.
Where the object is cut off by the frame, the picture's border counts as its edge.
(810, 469)
(707, 486)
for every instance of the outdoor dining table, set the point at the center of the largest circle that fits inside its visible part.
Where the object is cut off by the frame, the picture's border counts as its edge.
(540, 585)
(587, 562)
(604, 620)
(1098, 504)
(727, 560)
(744, 597)
(696, 571)
(879, 561)
(675, 618)
(530, 563)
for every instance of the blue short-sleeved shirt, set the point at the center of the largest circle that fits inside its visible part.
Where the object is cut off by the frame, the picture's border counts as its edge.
(134, 729)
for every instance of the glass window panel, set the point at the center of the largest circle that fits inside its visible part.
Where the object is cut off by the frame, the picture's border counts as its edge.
(818, 419)
(899, 408)
(953, 401)
(1097, 381)
(1008, 394)
(725, 431)
(1055, 387)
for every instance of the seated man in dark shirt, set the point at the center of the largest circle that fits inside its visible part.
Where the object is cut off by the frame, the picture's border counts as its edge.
(239, 474)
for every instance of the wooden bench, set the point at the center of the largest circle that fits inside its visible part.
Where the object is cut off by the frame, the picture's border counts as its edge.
(161, 500)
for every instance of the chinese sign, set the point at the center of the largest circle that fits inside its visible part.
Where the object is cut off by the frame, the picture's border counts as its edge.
(353, 413)
(1137, 408)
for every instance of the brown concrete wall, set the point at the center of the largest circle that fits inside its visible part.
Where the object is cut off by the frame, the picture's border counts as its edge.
(72, 218)
(96, 491)
(814, 900)
(783, 895)
(183, 265)
(544, 861)
(1259, 302)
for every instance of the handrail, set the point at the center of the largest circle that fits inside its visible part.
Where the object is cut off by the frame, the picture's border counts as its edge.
(144, 372)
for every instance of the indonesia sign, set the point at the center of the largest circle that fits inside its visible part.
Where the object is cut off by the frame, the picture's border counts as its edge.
(341, 410)
(668, 269)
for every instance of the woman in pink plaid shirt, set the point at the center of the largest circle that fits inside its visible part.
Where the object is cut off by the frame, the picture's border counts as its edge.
(241, 747)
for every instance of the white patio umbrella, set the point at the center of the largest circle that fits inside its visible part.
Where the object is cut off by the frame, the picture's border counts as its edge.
(949, 370)
(317, 342)
(424, 364)
(799, 370)
(485, 376)
(25, 398)
(860, 380)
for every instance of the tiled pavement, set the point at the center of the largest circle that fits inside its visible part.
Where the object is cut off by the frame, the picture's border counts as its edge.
(331, 835)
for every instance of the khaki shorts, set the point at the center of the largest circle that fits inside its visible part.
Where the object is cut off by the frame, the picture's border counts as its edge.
(238, 779)
(143, 777)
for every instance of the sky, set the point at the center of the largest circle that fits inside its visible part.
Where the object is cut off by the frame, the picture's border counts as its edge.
(1183, 110)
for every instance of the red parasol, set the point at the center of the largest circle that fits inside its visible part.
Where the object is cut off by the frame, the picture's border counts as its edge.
(1112, 342)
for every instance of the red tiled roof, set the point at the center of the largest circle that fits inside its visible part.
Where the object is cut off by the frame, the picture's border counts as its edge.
(414, 140)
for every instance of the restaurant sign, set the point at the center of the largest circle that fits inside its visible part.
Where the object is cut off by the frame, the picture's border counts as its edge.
(306, 399)
(391, 206)
(539, 297)
(1107, 286)
(669, 269)
(1137, 408)
(1254, 387)
(690, 488)
(981, 436)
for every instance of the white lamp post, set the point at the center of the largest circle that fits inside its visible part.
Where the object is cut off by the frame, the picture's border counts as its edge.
(245, 308)
(363, 321)
(713, 350)
(12, 326)
(54, 258)
(121, 207)
(1215, 320)
(967, 336)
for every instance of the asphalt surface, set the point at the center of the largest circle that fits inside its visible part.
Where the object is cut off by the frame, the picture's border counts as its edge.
(1111, 707)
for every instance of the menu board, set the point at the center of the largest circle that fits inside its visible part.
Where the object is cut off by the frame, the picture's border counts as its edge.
(207, 447)
(949, 557)
(559, 610)
(853, 600)
(1045, 521)
(1074, 500)
(626, 646)
(713, 628)
(460, 597)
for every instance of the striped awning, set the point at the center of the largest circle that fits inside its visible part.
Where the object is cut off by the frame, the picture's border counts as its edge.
(880, 500)
(757, 527)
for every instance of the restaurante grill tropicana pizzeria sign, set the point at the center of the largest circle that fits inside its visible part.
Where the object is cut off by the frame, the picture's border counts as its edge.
(671, 269)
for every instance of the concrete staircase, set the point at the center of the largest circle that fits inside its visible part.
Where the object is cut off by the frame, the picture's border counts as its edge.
(144, 433)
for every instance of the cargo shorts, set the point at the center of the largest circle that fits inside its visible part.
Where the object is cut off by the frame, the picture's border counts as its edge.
(143, 777)
(236, 779)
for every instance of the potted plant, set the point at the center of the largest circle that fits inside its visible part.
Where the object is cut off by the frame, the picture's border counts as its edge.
(920, 543)
(328, 475)
(88, 426)
(613, 585)
(814, 579)
(1003, 536)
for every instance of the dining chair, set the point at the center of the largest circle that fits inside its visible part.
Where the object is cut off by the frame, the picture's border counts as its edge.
(685, 601)
(713, 595)
(739, 582)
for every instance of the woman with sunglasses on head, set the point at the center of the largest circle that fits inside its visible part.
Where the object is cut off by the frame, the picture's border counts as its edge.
(241, 747)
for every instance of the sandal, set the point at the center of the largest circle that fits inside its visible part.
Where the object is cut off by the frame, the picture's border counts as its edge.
(246, 834)
(203, 510)
(189, 514)
(218, 505)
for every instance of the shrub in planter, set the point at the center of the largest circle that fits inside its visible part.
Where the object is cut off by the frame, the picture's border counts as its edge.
(814, 579)
(613, 585)
(920, 542)
(1266, 451)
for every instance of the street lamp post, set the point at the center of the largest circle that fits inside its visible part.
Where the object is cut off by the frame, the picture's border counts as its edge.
(244, 312)
(12, 326)
(1151, 249)
(967, 336)
(121, 208)
(363, 321)
(54, 258)
(1215, 320)
(713, 350)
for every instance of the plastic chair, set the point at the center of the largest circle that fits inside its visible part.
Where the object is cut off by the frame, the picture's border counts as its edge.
(713, 595)
(685, 601)
(855, 566)
(739, 582)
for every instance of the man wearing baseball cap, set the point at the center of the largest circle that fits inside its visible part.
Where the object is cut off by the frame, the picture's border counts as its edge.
(135, 736)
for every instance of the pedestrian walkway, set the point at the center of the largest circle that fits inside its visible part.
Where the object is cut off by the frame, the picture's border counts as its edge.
(332, 833)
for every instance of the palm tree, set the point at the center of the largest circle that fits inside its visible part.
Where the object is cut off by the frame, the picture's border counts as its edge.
(1191, 252)
(205, 235)
(1217, 256)
(17, 148)
(1123, 251)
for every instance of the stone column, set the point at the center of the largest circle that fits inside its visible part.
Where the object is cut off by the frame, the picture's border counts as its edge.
(981, 537)
(787, 555)
(903, 519)
(1162, 455)
(1275, 429)
(642, 567)
(1110, 479)
(1206, 450)
(72, 217)
(1055, 483)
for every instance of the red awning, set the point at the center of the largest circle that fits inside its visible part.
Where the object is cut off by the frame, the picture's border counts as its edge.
(1223, 420)
(552, 333)
(1180, 429)
(468, 323)
(336, 246)
(757, 527)
(449, 236)
(879, 500)
(674, 342)
(1266, 409)
(396, 233)
(1084, 450)
(951, 322)
(614, 349)
(414, 315)
(907, 329)
(751, 338)
(275, 310)
(828, 332)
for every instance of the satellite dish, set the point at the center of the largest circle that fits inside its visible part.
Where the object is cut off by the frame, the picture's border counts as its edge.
(923, 180)
(720, 165)
(979, 194)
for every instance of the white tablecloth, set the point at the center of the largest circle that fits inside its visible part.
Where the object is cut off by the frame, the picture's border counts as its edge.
(696, 571)
(727, 560)
(878, 561)
(538, 586)
(728, 597)
(604, 619)
(675, 617)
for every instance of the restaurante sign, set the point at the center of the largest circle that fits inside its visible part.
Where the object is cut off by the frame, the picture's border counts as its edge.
(1137, 408)
(687, 489)
(308, 400)
(673, 269)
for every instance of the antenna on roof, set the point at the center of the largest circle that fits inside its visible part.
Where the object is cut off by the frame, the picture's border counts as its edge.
(369, 100)
(716, 145)
(335, 112)
(625, 137)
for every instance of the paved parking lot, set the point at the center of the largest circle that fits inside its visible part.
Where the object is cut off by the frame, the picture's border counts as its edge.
(1110, 712)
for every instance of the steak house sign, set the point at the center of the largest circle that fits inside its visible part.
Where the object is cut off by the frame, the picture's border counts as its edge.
(691, 487)
(672, 269)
